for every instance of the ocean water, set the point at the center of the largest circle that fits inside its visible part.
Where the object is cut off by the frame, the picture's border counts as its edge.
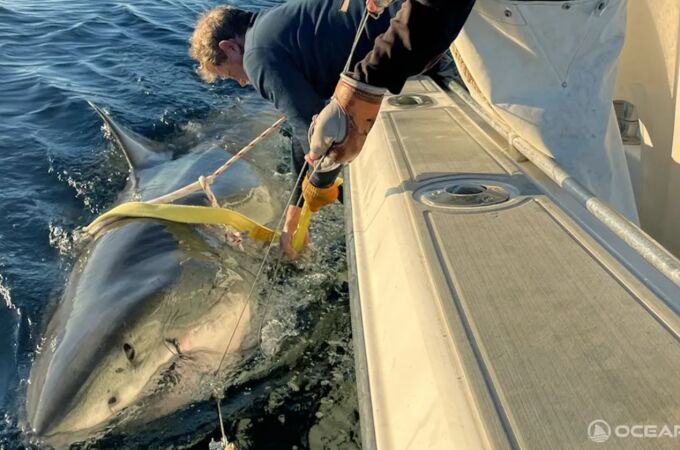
(58, 171)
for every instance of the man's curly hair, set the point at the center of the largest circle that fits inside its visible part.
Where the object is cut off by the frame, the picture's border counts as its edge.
(218, 24)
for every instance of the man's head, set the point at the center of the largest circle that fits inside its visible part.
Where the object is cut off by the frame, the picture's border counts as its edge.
(217, 43)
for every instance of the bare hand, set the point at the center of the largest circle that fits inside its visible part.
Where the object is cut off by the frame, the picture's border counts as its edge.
(289, 227)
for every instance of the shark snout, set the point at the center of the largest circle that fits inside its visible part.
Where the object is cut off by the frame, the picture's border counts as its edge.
(41, 423)
(57, 378)
(45, 412)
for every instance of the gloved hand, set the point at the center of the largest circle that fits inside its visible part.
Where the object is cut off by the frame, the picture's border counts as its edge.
(316, 197)
(340, 129)
(376, 7)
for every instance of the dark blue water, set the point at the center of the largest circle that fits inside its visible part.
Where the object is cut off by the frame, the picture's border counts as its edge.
(57, 172)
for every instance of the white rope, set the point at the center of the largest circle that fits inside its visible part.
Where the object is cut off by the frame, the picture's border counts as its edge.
(233, 237)
(196, 186)
(224, 443)
(357, 37)
(257, 276)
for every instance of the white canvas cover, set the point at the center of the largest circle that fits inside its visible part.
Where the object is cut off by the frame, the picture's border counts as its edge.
(649, 78)
(548, 69)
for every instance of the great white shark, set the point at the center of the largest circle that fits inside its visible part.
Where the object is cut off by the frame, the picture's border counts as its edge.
(150, 305)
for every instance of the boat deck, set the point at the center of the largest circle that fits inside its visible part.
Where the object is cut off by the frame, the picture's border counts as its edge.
(507, 325)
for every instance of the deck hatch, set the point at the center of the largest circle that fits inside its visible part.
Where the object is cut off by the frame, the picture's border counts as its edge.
(465, 193)
(408, 101)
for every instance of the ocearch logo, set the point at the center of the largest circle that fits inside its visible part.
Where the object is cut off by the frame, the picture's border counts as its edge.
(600, 431)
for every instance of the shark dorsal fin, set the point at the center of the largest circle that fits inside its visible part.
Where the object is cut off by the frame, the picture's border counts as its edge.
(139, 151)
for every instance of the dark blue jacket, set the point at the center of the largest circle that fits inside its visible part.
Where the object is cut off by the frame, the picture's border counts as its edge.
(294, 54)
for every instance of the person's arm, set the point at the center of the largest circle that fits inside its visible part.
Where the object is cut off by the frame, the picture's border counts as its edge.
(418, 34)
(277, 79)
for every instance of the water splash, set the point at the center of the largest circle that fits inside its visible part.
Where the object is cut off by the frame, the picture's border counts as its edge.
(6, 294)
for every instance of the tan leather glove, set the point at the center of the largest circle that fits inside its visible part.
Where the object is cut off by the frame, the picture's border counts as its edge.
(316, 198)
(341, 127)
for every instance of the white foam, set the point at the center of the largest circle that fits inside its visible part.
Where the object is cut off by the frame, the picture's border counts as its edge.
(5, 293)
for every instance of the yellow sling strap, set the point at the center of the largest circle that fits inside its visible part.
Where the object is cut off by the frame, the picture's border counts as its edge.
(187, 214)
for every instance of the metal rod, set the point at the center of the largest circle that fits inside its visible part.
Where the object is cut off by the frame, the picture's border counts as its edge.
(653, 252)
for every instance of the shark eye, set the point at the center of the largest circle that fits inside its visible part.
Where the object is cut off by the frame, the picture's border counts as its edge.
(113, 401)
(129, 351)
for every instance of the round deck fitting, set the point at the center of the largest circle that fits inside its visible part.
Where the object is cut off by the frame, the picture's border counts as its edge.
(466, 193)
(410, 100)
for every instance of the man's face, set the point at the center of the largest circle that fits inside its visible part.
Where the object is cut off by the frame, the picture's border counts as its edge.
(233, 66)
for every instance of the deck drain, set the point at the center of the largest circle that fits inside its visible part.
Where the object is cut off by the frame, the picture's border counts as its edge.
(466, 194)
(410, 100)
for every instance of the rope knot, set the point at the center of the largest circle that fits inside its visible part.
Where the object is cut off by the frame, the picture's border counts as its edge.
(233, 237)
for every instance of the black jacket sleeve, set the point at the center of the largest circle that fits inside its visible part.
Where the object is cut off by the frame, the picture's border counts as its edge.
(417, 36)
